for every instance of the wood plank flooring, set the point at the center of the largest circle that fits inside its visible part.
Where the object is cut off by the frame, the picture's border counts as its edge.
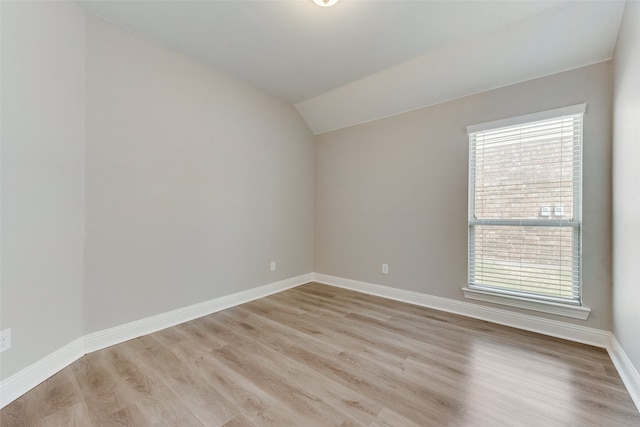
(322, 356)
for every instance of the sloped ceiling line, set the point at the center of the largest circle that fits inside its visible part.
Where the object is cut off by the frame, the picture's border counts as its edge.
(363, 60)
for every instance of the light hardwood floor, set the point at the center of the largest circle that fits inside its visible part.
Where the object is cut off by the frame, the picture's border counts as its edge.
(322, 356)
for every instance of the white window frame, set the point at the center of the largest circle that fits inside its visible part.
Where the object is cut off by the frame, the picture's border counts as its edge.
(573, 309)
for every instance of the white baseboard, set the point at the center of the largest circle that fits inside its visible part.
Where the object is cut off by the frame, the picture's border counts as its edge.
(568, 331)
(23, 381)
(29, 377)
(26, 379)
(628, 373)
(108, 337)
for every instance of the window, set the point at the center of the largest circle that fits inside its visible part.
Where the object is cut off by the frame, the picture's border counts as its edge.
(525, 177)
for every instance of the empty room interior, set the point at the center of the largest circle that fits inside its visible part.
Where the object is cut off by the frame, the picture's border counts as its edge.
(313, 212)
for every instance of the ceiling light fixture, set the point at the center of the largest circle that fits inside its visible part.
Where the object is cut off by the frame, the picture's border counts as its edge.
(325, 3)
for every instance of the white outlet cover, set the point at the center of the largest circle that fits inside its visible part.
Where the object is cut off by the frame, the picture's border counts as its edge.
(5, 340)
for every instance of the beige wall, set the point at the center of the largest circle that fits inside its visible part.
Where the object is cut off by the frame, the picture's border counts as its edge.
(626, 185)
(395, 190)
(42, 156)
(194, 182)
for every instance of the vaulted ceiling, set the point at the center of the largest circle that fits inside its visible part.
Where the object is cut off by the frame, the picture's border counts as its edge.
(362, 60)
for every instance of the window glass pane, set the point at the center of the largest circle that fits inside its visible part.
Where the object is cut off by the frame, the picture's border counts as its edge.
(527, 172)
(529, 259)
(524, 233)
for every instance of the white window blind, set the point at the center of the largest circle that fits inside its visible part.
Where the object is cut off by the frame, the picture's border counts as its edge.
(524, 206)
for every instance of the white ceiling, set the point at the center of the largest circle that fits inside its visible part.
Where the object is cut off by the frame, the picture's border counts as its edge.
(361, 60)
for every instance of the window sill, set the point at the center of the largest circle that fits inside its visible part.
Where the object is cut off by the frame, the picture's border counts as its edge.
(573, 311)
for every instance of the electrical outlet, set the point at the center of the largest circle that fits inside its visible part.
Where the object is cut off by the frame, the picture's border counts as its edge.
(385, 268)
(273, 266)
(5, 340)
